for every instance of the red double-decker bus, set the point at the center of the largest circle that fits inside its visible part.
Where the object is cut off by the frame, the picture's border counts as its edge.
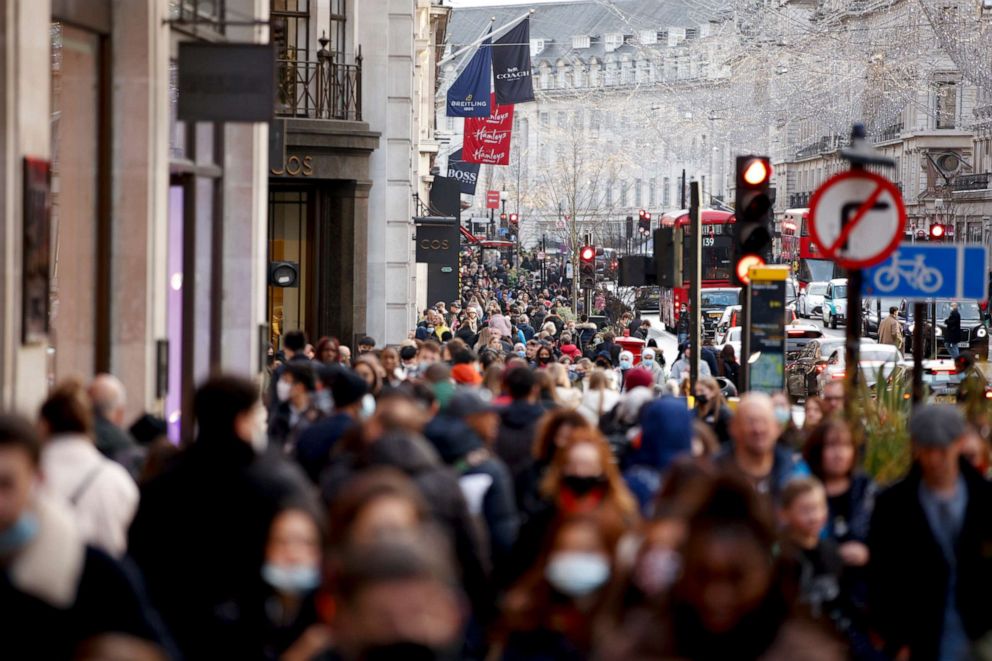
(809, 265)
(716, 249)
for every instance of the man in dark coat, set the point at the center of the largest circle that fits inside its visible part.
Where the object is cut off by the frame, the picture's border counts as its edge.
(518, 423)
(200, 532)
(952, 334)
(460, 435)
(313, 448)
(930, 572)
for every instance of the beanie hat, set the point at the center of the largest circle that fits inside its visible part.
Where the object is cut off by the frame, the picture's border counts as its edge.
(637, 378)
(466, 375)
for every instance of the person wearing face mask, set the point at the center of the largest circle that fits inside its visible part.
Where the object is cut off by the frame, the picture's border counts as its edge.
(712, 409)
(549, 613)
(625, 364)
(297, 408)
(200, 531)
(284, 606)
(55, 591)
(544, 357)
(348, 390)
(582, 478)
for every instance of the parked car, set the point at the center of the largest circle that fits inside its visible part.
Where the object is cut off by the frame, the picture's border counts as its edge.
(810, 303)
(974, 333)
(797, 335)
(941, 379)
(713, 302)
(802, 374)
(834, 306)
(874, 359)
(647, 298)
(732, 317)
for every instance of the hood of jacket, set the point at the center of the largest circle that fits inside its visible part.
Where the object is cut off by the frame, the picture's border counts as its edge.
(521, 414)
(452, 438)
(666, 433)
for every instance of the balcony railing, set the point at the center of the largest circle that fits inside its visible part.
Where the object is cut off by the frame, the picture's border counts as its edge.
(321, 89)
(972, 181)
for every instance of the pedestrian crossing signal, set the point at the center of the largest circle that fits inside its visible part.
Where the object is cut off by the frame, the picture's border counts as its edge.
(587, 266)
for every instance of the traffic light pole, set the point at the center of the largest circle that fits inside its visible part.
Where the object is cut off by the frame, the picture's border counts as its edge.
(587, 298)
(696, 218)
(919, 311)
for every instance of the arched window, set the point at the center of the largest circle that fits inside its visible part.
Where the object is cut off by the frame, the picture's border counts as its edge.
(579, 74)
(561, 69)
(545, 76)
(595, 73)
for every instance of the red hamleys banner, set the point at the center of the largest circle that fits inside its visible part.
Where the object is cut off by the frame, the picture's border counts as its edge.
(487, 139)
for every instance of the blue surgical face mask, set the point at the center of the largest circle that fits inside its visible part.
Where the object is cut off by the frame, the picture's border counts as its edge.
(18, 535)
(522, 354)
(576, 573)
(625, 364)
(293, 579)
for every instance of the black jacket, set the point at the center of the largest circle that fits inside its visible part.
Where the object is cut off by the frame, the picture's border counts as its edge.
(908, 574)
(199, 536)
(953, 326)
(464, 451)
(514, 445)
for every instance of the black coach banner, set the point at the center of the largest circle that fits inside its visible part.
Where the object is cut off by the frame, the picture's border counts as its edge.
(511, 66)
(466, 174)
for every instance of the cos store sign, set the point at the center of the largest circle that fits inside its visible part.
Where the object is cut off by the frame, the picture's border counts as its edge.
(437, 244)
(295, 166)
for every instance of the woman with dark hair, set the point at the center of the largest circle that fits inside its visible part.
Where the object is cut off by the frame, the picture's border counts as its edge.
(369, 369)
(550, 611)
(327, 350)
(831, 454)
(729, 367)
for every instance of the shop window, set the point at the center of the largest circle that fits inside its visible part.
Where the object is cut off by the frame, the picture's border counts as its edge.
(288, 242)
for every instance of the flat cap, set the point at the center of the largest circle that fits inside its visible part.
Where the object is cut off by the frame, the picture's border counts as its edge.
(936, 425)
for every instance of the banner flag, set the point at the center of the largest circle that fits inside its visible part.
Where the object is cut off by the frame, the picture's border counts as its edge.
(511, 66)
(468, 96)
(466, 173)
(487, 140)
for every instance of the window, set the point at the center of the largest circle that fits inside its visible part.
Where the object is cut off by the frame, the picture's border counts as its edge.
(579, 75)
(946, 102)
(594, 73)
(652, 191)
(649, 37)
(638, 193)
(623, 193)
(581, 41)
(666, 192)
(594, 119)
(545, 120)
(609, 195)
(614, 40)
(562, 119)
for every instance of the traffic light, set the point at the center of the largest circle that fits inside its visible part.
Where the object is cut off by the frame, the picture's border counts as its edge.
(644, 222)
(502, 219)
(587, 266)
(668, 256)
(514, 219)
(752, 211)
(938, 232)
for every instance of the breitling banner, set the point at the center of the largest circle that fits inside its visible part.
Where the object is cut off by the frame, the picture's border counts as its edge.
(468, 96)
(487, 140)
(511, 66)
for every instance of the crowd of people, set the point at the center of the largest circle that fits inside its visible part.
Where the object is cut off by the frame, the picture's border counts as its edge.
(509, 483)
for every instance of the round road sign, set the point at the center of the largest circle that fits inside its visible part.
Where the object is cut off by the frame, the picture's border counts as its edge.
(857, 218)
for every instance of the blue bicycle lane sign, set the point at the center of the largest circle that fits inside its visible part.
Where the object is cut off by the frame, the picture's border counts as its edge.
(922, 271)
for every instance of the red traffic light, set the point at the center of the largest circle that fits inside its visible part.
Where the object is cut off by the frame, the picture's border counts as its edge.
(757, 172)
(587, 253)
(514, 218)
(937, 231)
(502, 217)
(744, 265)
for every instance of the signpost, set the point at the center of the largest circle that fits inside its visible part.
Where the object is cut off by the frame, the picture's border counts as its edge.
(766, 303)
(857, 218)
(921, 271)
(492, 199)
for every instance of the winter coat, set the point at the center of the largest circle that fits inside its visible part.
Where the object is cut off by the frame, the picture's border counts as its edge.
(708, 354)
(908, 573)
(515, 443)
(100, 492)
(56, 593)
(785, 468)
(890, 332)
(719, 422)
(485, 482)
(585, 332)
(952, 332)
(313, 448)
(854, 523)
(666, 434)
(199, 538)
